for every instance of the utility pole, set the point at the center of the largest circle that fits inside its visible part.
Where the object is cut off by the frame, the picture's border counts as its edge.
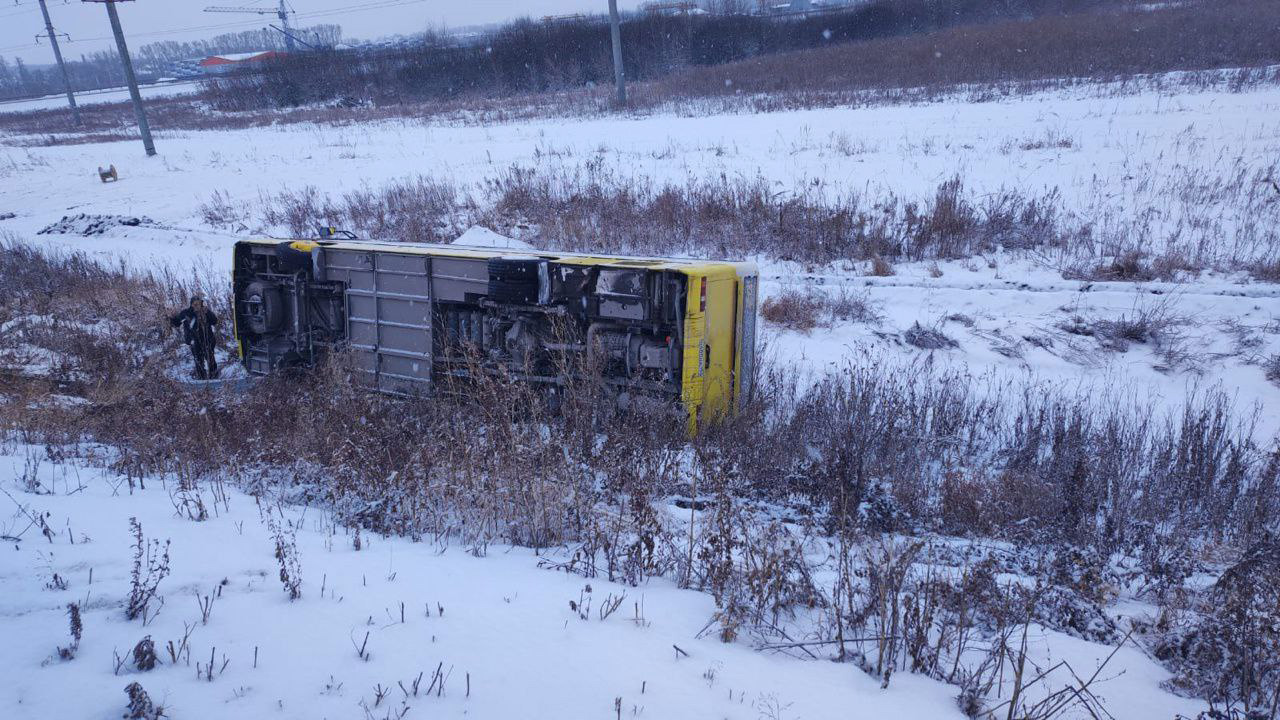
(57, 55)
(615, 32)
(136, 96)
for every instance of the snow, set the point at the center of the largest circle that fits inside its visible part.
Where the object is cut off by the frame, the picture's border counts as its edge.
(109, 95)
(1127, 153)
(1150, 164)
(1011, 314)
(506, 625)
(477, 236)
(237, 57)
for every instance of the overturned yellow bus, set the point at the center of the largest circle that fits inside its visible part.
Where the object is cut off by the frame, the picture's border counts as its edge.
(682, 331)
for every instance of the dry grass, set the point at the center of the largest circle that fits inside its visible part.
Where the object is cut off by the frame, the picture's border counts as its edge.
(1154, 324)
(803, 310)
(928, 338)
(1271, 368)
(591, 208)
(870, 449)
(595, 208)
(1266, 270)
(418, 210)
(878, 409)
(1101, 45)
(1137, 266)
(793, 309)
(881, 267)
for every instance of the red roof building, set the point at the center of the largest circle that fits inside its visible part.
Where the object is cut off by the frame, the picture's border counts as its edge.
(223, 63)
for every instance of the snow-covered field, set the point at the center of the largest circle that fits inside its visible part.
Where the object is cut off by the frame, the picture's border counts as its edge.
(499, 629)
(93, 97)
(1145, 169)
(1150, 164)
(1167, 159)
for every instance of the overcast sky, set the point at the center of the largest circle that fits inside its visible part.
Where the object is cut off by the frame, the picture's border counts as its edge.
(148, 21)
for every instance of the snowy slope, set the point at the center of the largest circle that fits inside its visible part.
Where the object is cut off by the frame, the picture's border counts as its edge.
(1147, 162)
(1160, 161)
(505, 623)
(1010, 321)
(506, 628)
(1148, 165)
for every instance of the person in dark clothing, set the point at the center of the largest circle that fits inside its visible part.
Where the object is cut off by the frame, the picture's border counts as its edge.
(198, 324)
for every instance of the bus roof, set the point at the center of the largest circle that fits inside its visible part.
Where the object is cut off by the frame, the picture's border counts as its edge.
(475, 251)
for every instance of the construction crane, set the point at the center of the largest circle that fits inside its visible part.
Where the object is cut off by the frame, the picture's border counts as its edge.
(282, 11)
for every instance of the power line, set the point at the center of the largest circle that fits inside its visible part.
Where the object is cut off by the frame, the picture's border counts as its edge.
(177, 31)
(281, 11)
(28, 8)
(379, 5)
(28, 11)
(375, 5)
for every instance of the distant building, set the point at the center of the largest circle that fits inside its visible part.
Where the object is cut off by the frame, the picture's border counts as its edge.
(673, 8)
(224, 63)
(804, 7)
(185, 69)
(783, 8)
(568, 18)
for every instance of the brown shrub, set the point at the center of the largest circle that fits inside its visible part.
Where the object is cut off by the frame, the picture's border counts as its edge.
(806, 309)
(875, 441)
(1104, 44)
(792, 309)
(1271, 368)
(962, 504)
(1266, 270)
(1135, 266)
(873, 448)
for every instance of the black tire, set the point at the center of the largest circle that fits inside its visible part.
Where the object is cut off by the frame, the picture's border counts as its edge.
(514, 269)
(513, 293)
(263, 307)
